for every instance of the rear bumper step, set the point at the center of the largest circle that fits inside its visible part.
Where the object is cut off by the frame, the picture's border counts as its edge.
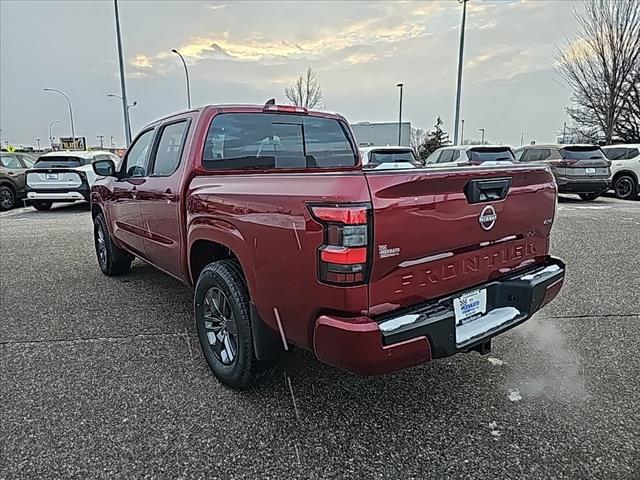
(426, 331)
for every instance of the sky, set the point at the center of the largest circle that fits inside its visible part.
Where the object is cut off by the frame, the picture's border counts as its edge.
(248, 52)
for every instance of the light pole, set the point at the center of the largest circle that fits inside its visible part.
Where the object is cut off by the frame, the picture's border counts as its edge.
(186, 72)
(564, 133)
(462, 132)
(73, 128)
(135, 102)
(51, 124)
(123, 85)
(481, 130)
(111, 140)
(38, 142)
(400, 85)
(101, 138)
(522, 139)
(460, 55)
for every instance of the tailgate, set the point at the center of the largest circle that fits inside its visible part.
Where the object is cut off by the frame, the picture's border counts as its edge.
(48, 178)
(439, 231)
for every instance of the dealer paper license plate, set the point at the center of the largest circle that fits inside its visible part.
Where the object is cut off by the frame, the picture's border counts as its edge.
(469, 305)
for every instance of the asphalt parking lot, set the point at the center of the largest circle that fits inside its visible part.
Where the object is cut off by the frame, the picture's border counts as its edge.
(103, 377)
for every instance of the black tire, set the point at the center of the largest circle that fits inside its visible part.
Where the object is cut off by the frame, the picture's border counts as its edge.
(41, 205)
(589, 197)
(111, 259)
(626, 187)
(7, 197)
(244, 370)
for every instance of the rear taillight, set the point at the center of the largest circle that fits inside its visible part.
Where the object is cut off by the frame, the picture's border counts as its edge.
(563, 163)
(344, 256)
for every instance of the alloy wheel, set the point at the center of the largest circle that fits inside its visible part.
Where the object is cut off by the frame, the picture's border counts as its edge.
(101, 246)
(623, 187)
(220, 326)
(6, 198)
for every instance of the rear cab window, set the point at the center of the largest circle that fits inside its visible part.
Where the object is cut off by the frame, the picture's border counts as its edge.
(60, 161)
(272, 141)
(491, 154)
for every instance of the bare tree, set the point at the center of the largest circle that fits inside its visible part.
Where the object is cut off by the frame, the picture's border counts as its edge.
(306, 92)
(418, 137)
(628, 126)
(600, 65)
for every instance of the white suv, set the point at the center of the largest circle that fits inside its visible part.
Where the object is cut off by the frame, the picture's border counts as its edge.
(471, 154)
(384, 158)
(63, 176)
(625, 169)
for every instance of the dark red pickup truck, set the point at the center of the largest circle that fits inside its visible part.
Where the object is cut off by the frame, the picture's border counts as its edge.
(268, 214)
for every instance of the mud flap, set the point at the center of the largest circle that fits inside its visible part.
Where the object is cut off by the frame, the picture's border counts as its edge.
(267, 344)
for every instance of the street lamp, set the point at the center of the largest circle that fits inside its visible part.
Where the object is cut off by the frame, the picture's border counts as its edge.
(135, 102)
(113, 145)
(51, 124)
(400, 85)
(38, 141)
(481, 130)
(186, 72)
(462, 131)
(123, 85)
(460, 55)
(73, 128)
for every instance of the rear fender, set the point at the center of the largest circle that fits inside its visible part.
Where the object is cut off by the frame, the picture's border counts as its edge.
(266, 341)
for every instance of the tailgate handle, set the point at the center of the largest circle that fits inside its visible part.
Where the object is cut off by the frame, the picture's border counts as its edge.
(478, 191)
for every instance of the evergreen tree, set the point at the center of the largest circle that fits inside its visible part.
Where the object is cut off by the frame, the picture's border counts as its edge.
(436, 139)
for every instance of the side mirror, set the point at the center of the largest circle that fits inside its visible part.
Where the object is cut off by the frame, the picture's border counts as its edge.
(104, 168)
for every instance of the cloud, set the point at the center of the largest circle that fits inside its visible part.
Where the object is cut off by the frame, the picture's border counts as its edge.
(357, 58)
(216, 6)
(142, 61)
(371, 32)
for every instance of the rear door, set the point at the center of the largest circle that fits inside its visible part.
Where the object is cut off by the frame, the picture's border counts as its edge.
(14, 169)
(585, 162)
(434, 236)
(123, 206)
(160, 200)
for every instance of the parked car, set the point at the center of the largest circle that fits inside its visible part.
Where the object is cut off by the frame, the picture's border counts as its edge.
(268, 213)
(580, 169)
(471, 154)
(625, 169)
(13, 167)
(382, 158)
(64, 176)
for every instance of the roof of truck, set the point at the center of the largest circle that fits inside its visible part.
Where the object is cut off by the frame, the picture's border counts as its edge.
(248, 107)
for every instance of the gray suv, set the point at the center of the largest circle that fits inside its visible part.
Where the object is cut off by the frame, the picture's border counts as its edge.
(580, 169)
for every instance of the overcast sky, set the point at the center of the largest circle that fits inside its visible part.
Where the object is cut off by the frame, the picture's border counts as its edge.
(247, 52)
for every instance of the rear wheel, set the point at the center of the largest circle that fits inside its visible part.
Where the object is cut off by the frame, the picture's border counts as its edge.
(111, 259)
(589, 196)
(7, 197)
(625, 187)
(224, 326)
(41, 205)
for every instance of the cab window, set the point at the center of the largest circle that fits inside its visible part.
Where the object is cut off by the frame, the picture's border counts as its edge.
(136, 161)
(170, 148)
